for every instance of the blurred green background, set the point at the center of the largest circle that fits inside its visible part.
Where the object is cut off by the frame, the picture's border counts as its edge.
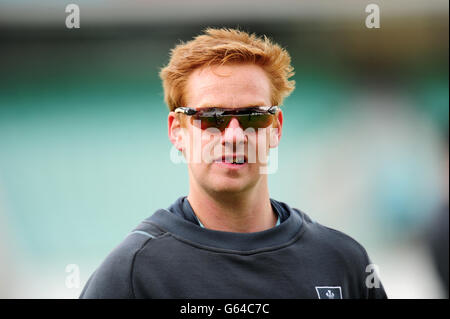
(84, 153)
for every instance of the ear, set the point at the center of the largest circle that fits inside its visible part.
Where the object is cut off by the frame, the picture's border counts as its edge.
(275, 132)
(175, 131)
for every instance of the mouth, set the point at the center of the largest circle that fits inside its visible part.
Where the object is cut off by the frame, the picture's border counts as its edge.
(235, 160)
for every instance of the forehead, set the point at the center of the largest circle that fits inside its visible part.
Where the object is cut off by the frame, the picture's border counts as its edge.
(236, 85)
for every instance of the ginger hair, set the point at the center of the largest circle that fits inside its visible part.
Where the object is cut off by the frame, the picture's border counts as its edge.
(220, 46)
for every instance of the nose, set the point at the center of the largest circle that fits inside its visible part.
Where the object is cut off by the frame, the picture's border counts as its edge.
(234, 134)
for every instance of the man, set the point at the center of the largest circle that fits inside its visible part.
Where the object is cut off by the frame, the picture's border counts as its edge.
(228, 238)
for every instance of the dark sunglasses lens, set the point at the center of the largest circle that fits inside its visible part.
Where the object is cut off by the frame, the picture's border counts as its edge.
(255, 121)
(211, 121)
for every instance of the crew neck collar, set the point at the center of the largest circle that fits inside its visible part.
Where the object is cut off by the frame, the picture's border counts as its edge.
(182, 227)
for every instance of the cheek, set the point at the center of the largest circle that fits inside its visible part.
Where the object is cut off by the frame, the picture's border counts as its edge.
(201, 172)
(258, 146)
(197, 142)
(211, 147)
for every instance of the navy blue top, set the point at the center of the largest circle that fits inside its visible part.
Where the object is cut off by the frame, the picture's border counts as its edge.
(169, 256)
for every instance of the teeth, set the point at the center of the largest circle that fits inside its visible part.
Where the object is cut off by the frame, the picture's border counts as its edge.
(232, 160)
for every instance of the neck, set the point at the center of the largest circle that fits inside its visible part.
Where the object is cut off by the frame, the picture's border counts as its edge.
(242, 212)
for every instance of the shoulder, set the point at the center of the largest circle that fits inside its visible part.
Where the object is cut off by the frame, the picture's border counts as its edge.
(346, 255)
(113, 278)
(333, 243)
(321, 238)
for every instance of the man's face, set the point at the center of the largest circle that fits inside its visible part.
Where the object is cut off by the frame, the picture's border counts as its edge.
(227, 86)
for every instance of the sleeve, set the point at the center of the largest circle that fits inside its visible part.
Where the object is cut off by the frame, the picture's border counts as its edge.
(112, 280)
(373, 288)
(365, 282)
(377, 293)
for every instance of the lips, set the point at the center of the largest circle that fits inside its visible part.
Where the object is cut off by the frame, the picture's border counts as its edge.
(235, 159)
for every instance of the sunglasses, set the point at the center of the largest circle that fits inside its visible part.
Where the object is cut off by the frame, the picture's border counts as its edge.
(250, 117)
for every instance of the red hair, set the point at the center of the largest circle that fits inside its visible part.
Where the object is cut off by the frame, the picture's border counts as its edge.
(220, 46)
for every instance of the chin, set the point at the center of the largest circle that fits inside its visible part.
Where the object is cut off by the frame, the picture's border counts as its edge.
(229, 186)
(221, 183)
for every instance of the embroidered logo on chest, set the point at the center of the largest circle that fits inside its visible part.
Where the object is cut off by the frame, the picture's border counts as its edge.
(325, 292)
